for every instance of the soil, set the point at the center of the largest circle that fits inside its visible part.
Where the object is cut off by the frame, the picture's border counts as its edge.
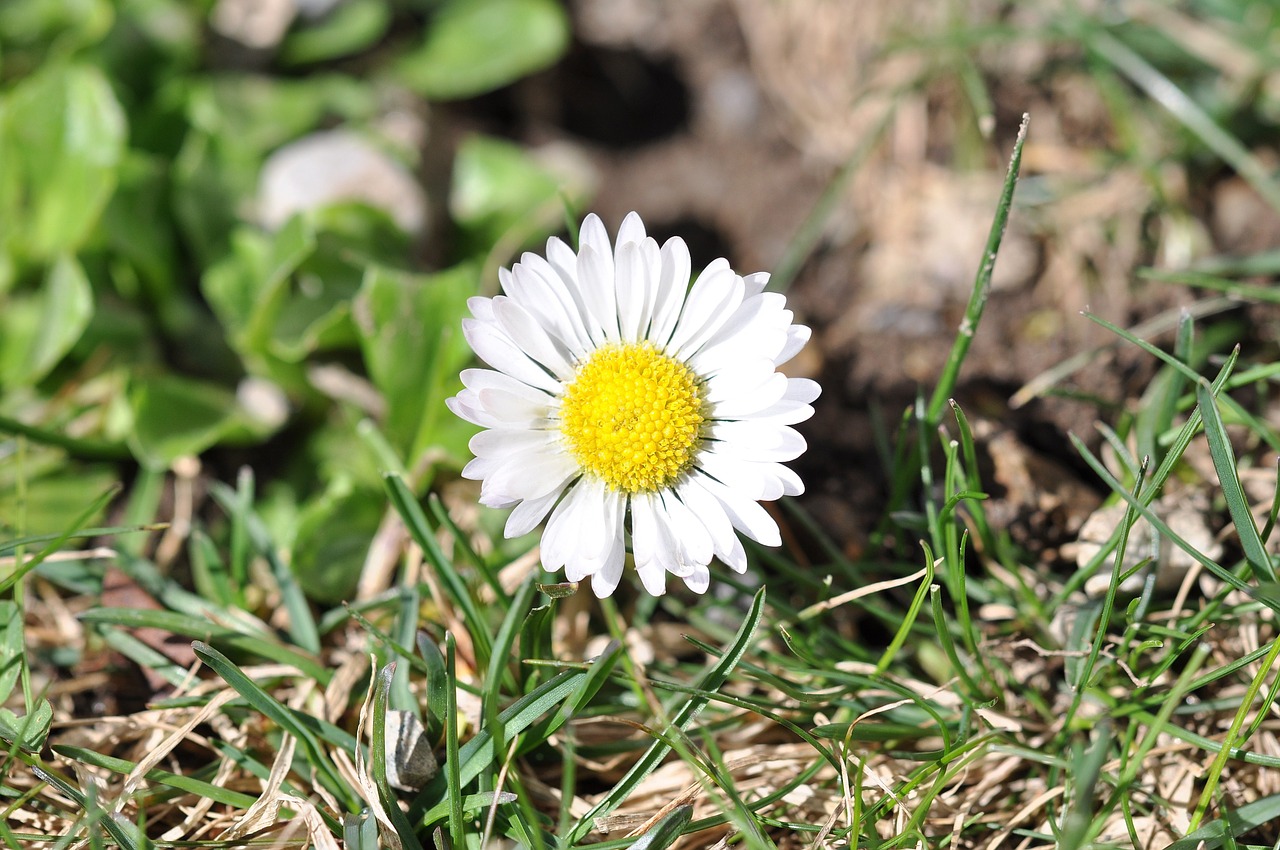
(726, 121)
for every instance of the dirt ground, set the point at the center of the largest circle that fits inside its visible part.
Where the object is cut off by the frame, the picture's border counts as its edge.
(726, 121)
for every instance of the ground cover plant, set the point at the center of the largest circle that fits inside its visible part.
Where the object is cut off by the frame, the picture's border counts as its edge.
(249, 598)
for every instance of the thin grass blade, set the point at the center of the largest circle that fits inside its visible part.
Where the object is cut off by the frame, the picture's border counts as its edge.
(1224, 462)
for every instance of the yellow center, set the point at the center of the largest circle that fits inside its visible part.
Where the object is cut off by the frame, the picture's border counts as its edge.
(633, 416)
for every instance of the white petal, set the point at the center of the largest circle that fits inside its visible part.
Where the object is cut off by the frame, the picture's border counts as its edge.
(526, 515)
(713, 298)
(632, 230)
(466, 406)
(745, 514)
(753, 440)
(596, 275)
(531, 337)
(516, 410)
(673, 285)
(757, 327)
(494, 347)
(504, 443)
(755, 282)
(593, 235)
(481, 308)
(759, 481)
(649, 544)
(529, 478)
(543, 292)
(699, 580)
(709, 512)
(561, 537)
(797, 336)
(689, 533)
(743, 392)
(611, 552)
(735, 557)
(632, 291)
(606, 579)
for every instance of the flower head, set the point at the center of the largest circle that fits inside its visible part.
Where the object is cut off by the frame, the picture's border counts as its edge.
(626, 406)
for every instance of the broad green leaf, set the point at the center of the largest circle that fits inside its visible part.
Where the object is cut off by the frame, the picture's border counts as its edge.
(50, 497)
(248, 290)
(176, 416)
(27, 731)
(37, 331)
(474, 46)
(333, 541)
(410, 328)
(501, 193)
(351, 27)
(62, 135)
(68, 22)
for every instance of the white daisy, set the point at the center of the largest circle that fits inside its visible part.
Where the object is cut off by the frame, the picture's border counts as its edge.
(633, 408)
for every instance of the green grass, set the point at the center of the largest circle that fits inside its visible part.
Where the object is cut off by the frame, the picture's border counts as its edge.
(941, 688)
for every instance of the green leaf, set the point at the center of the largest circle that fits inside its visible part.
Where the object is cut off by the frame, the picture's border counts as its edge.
(475, 46)
(176, 416)
(11, 647)
(51, 497)
(216, 793)
(478, 753)
(1224, 462)
(36, 332)
(1239, 822)
(27, 732)
(333, 541)
(410, 329)
(500, 193)
(185, 624)
(249, 289)
(351, 27)
(62, 135)
(665, 832)
(67, 23)
(282, 716)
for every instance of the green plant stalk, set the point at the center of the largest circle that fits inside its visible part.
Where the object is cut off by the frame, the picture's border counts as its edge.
(1247, 704)
(452, 763)
(908, 620)
(981, 285)
(943, 631)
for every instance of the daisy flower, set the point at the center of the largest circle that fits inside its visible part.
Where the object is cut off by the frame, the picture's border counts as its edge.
(632, 410)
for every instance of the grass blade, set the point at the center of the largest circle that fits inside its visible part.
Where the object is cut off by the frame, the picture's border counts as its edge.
(981, 285)
(711, 682)
(1224, 462)
(275, 711)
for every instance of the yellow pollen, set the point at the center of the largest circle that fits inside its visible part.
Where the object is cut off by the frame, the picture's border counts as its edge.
(633, 417)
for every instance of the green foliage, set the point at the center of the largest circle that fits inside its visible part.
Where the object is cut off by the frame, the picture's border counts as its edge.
(142, 300)
(477, 45)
